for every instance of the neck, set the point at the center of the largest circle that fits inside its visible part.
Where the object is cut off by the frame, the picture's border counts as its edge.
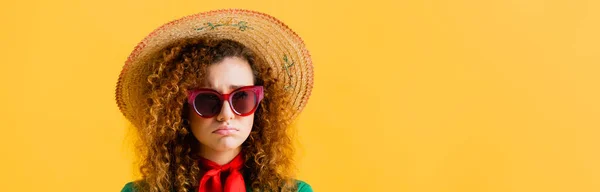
(219, 157)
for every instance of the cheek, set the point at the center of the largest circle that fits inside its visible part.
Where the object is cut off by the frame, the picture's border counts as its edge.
(247, 122)
(198, 124)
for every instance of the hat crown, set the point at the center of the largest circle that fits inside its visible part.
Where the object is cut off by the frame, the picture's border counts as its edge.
(280, 47)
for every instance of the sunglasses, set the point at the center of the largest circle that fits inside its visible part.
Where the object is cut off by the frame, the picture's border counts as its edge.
(243, 101)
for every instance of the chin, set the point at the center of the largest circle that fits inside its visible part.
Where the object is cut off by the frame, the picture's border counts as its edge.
(226, 146)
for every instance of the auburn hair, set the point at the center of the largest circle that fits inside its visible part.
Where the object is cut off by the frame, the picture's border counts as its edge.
(167, 148)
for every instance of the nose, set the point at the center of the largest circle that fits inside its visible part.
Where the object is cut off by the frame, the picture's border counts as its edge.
(226, 112)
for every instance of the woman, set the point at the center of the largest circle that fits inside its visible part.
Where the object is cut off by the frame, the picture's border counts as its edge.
(212, 96)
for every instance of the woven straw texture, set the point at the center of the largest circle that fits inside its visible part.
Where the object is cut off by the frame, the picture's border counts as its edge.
(281, 48)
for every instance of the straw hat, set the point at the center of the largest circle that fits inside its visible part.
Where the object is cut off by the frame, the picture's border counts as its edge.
(281, 48)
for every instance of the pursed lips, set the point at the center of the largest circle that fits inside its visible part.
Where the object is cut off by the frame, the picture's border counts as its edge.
(225, 130)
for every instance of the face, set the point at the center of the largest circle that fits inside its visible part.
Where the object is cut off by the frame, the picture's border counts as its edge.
(225, 131)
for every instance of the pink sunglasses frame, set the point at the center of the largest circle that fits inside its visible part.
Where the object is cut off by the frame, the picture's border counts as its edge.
(192, 94)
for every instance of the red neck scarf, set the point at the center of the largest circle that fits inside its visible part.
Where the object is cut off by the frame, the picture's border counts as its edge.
(211, 180)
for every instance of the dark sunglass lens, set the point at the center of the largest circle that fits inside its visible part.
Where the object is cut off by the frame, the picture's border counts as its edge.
(243, 101)
(208, 104)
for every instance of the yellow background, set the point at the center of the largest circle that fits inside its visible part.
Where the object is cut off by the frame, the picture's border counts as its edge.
(461, 95)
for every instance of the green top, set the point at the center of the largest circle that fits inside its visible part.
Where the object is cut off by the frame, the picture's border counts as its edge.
(302, 187)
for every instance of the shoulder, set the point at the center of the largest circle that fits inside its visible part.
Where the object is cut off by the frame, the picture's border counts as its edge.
(303, 186)
(129, 187)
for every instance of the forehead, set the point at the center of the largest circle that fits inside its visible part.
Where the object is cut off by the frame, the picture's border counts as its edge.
(230, 73)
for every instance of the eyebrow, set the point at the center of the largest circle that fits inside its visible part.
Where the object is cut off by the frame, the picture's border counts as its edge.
(233, 87)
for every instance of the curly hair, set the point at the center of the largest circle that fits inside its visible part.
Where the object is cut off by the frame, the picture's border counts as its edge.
(168, 150)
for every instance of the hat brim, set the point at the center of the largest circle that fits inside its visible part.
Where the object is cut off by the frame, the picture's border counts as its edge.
(280, 47)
